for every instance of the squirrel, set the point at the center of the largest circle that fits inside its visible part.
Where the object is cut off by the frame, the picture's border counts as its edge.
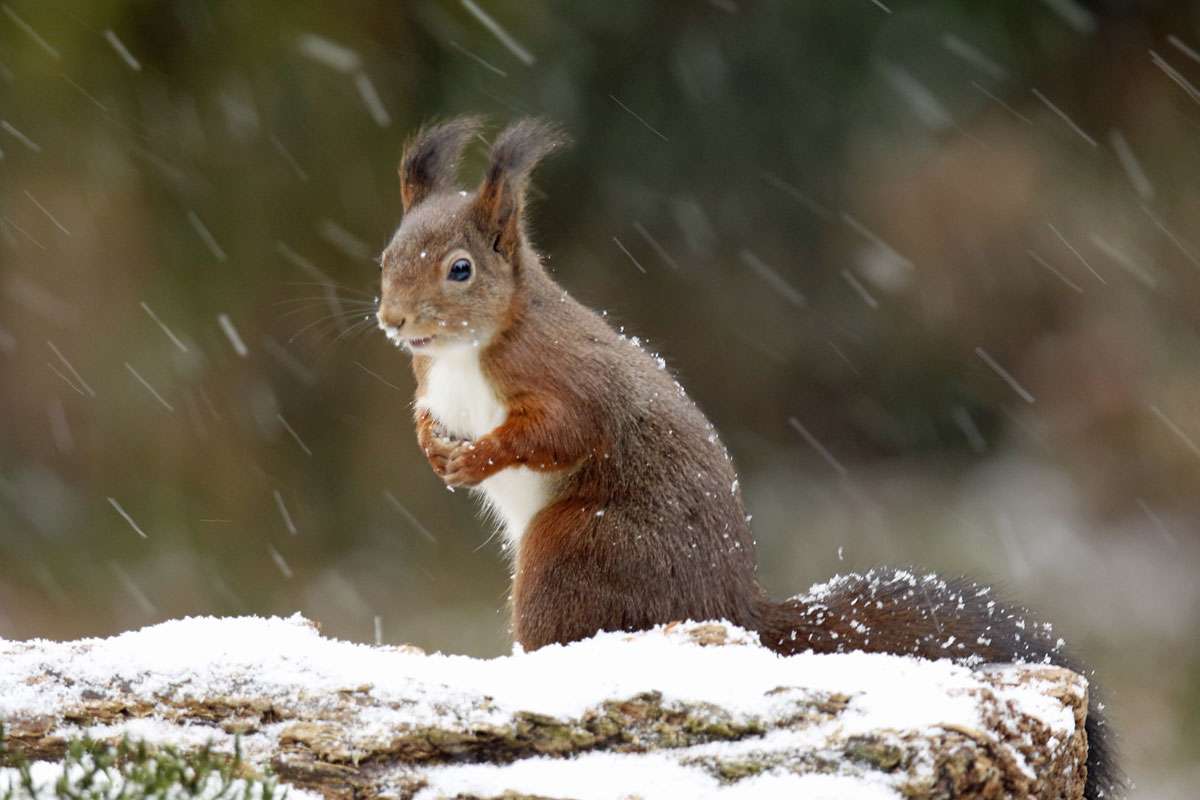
(617, 501)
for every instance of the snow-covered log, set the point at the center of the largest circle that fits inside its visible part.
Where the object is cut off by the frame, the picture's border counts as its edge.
(690, 710)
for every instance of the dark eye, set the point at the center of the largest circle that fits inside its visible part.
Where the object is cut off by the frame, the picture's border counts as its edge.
(460, 270)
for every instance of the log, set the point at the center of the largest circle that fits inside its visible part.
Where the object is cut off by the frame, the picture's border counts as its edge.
(684, 710)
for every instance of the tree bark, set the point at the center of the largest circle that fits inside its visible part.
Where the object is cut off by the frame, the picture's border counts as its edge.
(356, 741)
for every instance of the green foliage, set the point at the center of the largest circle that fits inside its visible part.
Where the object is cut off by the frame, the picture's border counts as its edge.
(93, 770)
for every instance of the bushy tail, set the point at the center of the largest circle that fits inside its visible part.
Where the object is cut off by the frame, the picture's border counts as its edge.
(899, 612)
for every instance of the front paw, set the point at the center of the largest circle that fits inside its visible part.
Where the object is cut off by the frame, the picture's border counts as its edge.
(439, 450)
(465, 465)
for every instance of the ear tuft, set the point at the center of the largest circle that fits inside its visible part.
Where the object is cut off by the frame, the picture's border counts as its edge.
(515, 153)
(520, 146)
(431, 158)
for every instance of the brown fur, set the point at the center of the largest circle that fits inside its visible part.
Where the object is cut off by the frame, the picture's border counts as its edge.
(646, 524)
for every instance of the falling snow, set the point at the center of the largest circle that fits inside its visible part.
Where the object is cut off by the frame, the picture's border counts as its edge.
(931, 274)
(231, 333)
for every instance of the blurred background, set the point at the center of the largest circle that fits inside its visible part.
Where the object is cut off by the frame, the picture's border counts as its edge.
(933, 269)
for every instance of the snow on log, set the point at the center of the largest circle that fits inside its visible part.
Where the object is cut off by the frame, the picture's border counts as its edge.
(688, 710)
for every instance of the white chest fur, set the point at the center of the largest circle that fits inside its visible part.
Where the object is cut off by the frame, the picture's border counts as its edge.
(460, 397)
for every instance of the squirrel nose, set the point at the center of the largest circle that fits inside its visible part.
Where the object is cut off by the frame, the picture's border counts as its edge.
(391, 318)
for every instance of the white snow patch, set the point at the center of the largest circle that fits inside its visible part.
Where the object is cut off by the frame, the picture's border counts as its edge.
(604, 776)
(288, 659)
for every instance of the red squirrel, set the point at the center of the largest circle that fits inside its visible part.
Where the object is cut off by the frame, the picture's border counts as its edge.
(617, 501)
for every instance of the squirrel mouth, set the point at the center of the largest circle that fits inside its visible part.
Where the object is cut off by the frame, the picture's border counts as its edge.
(415, 344)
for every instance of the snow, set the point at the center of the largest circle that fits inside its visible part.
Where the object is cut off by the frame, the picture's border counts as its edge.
(1035, 702)
(287, 661)
(200, 656)
(603, 776)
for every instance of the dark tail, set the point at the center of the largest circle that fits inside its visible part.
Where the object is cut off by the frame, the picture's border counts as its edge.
(900, 612)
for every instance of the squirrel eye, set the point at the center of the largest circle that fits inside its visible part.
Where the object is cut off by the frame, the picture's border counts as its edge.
(460, 270)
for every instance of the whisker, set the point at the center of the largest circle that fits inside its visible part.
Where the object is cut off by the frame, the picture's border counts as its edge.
(335, 318)
(336, 308)
(325, 299)
(339, 314)
(328, 300)
(325, 342)
(324, 327)
(355, 330)
(337, 286)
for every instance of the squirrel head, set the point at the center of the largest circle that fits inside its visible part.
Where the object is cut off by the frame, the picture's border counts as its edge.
(453, 269)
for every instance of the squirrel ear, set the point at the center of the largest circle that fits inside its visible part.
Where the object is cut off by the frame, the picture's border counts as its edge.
(431, 158)
(501, 199)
